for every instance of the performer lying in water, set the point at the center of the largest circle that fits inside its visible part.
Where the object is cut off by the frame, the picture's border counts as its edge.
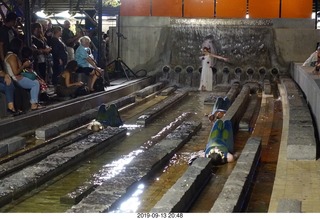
(220, 144)
(220, 108)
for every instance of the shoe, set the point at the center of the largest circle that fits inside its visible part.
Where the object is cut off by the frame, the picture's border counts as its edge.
(13, 112)
(38, 107)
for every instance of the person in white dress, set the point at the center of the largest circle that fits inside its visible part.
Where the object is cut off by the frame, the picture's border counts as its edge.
(206, 72)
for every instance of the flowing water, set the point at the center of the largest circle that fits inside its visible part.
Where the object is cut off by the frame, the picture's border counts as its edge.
(110, 162)
(47, 197)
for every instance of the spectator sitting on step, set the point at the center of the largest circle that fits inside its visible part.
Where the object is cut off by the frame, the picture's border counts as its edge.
(7, 87)
(313, 60)
(67, 87)
(86, 62)
(14, 68)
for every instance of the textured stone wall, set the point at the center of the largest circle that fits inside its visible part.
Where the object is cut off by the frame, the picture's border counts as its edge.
(154, 42)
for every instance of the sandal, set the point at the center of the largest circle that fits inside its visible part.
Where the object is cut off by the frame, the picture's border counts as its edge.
(38, 106)
(13, 112)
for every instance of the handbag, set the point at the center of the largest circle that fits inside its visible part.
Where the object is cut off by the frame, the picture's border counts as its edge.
(99, 84)
(29, 75)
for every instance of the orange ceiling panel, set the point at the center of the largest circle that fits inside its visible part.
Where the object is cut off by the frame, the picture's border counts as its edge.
(231, 9)
(169, 8)
(199, 8)
(135, 8)
(264, 9)
(296, 8)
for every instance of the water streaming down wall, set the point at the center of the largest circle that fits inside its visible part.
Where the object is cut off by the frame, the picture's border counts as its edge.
(175, 42)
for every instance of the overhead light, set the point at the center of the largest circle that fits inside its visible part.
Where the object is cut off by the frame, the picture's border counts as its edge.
(41, 14)
(64, 14)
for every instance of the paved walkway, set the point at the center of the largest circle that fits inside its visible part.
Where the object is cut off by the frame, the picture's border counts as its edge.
(295, 180)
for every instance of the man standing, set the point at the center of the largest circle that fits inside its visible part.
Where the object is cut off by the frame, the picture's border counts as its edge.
(7, 33)
(70, 39)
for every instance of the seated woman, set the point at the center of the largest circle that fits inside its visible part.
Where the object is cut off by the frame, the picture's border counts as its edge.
(14, 68)
(86, 62)
(27, 54)
(7, 87)
(66, 87)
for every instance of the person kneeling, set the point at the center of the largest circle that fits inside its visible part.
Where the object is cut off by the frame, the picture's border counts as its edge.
(66, 86)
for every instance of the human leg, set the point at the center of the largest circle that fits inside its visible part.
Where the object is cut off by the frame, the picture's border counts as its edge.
(93, 78)
(34, 87)
(8, 90)
(227, 135)
(42, 70)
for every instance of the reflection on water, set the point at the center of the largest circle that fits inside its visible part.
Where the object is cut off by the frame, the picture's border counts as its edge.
(115, 167)
(105, 165)
(131, 205)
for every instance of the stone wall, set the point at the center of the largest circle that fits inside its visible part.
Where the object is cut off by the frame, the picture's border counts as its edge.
(151, 43)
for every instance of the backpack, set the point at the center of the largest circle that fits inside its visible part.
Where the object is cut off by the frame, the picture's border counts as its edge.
(99, 84)
(109, 116)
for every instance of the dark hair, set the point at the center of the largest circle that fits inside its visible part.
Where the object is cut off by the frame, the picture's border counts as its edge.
(11, 16)
(35, 26)
(15, 45)
(71, 66)
(26, 52)
(206, 48)
(216, 159)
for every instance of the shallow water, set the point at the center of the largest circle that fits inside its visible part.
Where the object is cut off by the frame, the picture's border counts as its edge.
(47, 197)
(108, 163)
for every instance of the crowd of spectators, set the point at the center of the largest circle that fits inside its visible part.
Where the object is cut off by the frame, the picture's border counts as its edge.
(54, 59)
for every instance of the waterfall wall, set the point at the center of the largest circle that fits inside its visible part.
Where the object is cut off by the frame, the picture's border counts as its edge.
(252, 45)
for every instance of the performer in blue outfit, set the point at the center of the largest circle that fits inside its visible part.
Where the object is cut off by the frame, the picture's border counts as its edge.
(220, 144)
(220, 107)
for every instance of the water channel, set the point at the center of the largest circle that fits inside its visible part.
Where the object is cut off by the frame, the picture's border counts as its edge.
(111, 161)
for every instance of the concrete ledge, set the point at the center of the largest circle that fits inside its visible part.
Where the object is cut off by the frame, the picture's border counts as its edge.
(238, 107)
(267, 87)
(150, 89)
(23, 181)
(11, 145)
(151, 114)
(54, 129)
(301, 134)
(109, 194)
(218, 91)
(168, 91)
(235, 191)
(79, 193)
(233, 92)
(309, 85)
(181, 195)
(3, 105)
(245, 123)
(289, 206)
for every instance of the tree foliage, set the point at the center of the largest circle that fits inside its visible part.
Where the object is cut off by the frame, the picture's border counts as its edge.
(113, 3)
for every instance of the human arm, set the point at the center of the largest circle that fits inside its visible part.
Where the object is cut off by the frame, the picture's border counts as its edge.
(215, 56)
(16, 65)
(219, 57)
(312, 58)
(92, 62)
(6, 77)
(232, 157)
(68, 81)
(1, 51)
(69, 38)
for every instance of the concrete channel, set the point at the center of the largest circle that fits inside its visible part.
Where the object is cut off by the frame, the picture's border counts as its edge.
(105, 197)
